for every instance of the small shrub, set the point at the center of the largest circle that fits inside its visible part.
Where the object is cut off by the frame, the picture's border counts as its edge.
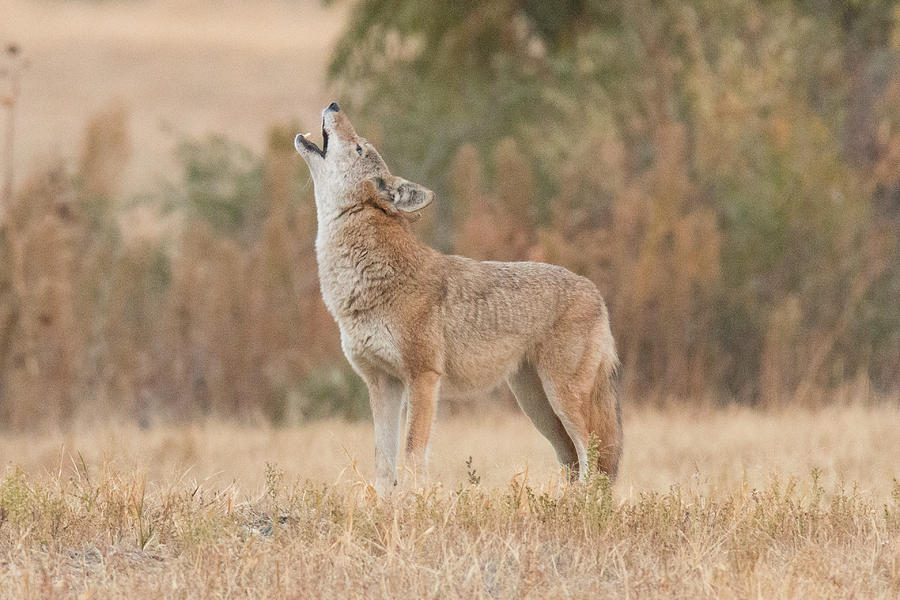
(335, 392)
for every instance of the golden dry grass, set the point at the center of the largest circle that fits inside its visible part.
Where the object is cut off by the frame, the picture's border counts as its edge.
(710, 503)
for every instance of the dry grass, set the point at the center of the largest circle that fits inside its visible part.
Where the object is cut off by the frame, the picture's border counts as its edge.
(726, 503)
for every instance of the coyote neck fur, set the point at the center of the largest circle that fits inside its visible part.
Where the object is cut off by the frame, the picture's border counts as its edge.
(367, 255)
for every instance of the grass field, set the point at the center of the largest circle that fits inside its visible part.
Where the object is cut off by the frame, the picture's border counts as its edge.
(180, 69)
(710, 503)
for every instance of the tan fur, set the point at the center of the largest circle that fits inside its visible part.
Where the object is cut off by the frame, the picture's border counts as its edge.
(414, 320)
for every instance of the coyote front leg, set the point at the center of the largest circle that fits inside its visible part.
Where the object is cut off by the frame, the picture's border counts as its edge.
(421, 404)
(386, 399)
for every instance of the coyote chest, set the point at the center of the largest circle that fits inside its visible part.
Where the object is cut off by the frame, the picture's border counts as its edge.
(359, 289)
(369, 343)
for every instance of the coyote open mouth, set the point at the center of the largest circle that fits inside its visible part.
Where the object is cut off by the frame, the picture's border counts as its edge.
(303, 138)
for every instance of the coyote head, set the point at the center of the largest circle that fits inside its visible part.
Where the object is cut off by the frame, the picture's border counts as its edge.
(348, 169)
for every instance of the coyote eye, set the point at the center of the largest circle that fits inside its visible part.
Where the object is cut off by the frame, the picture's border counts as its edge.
(359, 149)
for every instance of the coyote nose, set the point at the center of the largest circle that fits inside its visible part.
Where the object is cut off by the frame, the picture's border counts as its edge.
(333, 107)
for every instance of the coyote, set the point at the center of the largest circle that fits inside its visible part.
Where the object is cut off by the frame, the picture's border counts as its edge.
(414, 320)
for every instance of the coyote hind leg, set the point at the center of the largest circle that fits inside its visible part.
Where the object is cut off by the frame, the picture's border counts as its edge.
(526, 386)
(577, 375)
(588, 408)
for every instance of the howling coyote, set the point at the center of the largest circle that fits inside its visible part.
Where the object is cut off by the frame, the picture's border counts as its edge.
(414, 320)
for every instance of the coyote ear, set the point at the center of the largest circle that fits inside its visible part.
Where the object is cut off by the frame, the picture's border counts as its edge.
(402, 194)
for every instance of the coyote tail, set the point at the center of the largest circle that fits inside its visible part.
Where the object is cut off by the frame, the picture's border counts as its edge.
(606, 418)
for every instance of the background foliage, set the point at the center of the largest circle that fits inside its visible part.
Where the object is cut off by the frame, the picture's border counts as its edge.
(727, 172)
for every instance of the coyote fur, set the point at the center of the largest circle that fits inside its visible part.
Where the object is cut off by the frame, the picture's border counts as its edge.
(414, 320)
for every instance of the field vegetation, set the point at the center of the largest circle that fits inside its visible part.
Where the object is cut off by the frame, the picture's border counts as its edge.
(176, 417)
(710, 504)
